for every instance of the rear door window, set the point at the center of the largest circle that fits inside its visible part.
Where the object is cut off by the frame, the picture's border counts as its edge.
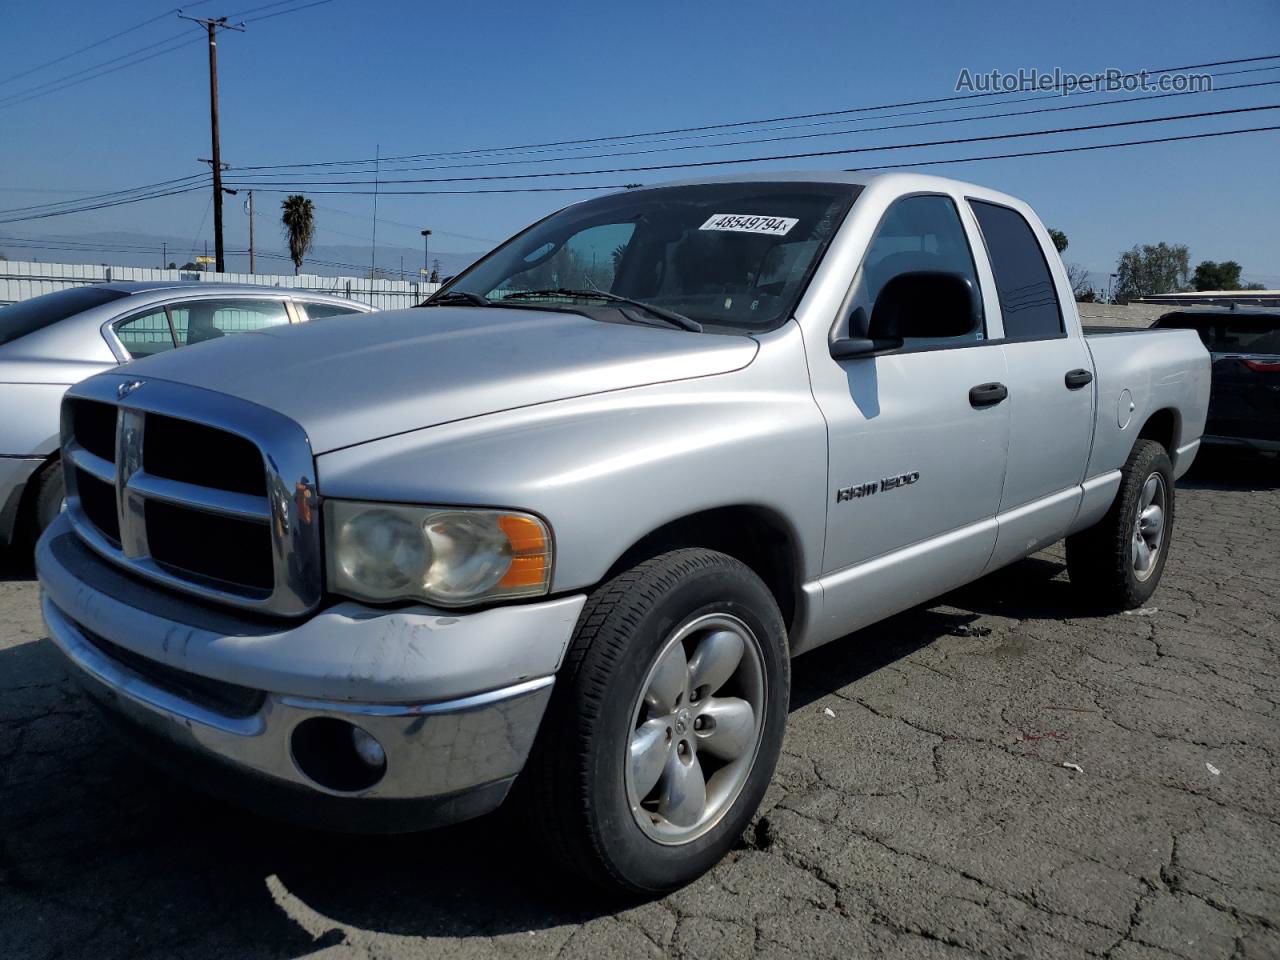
(28, 316)
(146, 334)
(1028, 298)
(199, 320)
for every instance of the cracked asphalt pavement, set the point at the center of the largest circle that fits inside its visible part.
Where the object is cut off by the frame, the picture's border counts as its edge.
(924, 806)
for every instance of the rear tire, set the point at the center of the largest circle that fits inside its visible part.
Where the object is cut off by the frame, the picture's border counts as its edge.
(627, 732)
(1116, 564)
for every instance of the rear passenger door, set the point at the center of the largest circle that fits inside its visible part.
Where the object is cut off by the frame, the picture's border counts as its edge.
(1050, 376)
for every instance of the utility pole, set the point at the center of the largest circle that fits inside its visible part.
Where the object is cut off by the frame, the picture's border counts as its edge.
(164, 255)
(426, 251)
(251, 263)
(212, 26)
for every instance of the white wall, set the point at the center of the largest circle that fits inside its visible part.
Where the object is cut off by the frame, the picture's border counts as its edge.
(22, 280)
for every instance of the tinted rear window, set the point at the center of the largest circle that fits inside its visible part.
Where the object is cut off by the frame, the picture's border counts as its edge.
(1028, 299)
(1227, 333)
(19, 319)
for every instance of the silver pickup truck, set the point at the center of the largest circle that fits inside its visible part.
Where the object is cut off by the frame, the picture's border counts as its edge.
(558, 532)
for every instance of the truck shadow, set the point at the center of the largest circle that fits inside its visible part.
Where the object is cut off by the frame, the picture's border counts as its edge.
(96, 843)
(16, 564)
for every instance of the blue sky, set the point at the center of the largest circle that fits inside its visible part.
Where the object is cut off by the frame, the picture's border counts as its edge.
(341, 79)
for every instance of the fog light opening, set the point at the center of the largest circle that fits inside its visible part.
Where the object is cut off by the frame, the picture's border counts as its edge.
(338, 755)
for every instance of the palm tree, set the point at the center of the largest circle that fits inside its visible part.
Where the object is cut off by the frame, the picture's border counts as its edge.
(299, 219)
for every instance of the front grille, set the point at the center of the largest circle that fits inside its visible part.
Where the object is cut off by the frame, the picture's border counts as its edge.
(228, 699)
(226, 549)
(193, 453)
(196, 490)
(94, 425)
(98, 501)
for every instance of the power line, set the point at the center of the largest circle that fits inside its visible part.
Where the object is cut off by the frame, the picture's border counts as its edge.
(280, 13)
(795, 156)
(18, 99)
(178, 41)
(802, 136)
(747, 123)
(108, 194)
(1059, 150)
(96, 43)
(155, 195)
(1002, 156)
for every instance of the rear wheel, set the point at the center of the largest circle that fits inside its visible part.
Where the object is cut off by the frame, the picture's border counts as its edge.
(665, 724)
(1117, 563)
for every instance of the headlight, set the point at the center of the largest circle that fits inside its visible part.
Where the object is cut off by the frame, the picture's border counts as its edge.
(450, 557)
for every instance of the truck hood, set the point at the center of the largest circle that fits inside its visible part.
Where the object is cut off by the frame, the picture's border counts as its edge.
(348, 380)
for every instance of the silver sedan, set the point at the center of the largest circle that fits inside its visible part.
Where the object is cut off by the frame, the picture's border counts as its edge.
(50, 342)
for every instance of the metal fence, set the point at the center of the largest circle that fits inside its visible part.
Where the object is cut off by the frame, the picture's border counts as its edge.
(22, 280)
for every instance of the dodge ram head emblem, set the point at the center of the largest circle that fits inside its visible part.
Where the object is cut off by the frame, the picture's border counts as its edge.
(858, 491)
(128, 387)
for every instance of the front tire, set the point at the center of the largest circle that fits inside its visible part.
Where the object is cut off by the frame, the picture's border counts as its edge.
(1117, 563)
(665, 724)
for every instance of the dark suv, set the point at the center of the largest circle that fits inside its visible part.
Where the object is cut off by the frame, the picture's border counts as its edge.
(1244, 407)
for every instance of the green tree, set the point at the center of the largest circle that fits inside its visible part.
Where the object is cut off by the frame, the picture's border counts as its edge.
(299, 218)
(1217, 276)
(1152, 269)
(1059, 239)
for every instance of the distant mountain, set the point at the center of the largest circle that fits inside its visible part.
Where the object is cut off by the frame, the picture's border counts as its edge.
(118, 248)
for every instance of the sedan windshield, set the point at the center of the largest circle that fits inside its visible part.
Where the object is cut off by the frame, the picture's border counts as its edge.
(28, 316)
(729, 255)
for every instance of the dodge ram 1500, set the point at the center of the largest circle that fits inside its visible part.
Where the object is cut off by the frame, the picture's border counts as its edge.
(558, 532)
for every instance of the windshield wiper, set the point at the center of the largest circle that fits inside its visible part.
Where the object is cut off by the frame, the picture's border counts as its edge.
(457, 297)
(673, 318)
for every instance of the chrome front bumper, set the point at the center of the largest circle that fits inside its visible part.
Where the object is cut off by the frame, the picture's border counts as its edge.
(119, 633)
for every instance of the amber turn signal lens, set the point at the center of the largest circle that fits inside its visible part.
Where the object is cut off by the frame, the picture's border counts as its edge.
(530, 552)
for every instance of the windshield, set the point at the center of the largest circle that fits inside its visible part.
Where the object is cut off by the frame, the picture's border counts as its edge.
(734, 255)
(19, 319)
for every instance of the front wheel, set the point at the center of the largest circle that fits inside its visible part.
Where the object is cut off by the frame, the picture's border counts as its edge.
(665, 724)
(1117, 563)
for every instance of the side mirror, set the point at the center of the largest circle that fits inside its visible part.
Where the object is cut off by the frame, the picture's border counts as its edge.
(925, 303)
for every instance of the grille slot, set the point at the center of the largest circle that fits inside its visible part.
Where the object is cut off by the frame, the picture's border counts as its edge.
(226, 549)
(98, 501)
(228, 699)
(206, 456)
(93, 425)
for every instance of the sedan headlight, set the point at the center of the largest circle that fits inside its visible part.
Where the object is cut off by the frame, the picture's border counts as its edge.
(445, 556)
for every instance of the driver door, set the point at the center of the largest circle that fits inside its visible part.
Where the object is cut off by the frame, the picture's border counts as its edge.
(915, 466)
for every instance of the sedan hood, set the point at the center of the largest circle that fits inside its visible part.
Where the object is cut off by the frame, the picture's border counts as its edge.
(348, 380)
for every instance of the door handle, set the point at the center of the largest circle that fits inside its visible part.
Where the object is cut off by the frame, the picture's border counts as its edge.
(988, 394)
(1075, 379)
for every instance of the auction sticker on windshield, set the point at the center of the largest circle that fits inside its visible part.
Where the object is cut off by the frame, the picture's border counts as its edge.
(747, 223)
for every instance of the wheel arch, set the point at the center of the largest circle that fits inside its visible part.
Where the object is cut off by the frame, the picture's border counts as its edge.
(757, 535)
(1164, 426)
(17, 519)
